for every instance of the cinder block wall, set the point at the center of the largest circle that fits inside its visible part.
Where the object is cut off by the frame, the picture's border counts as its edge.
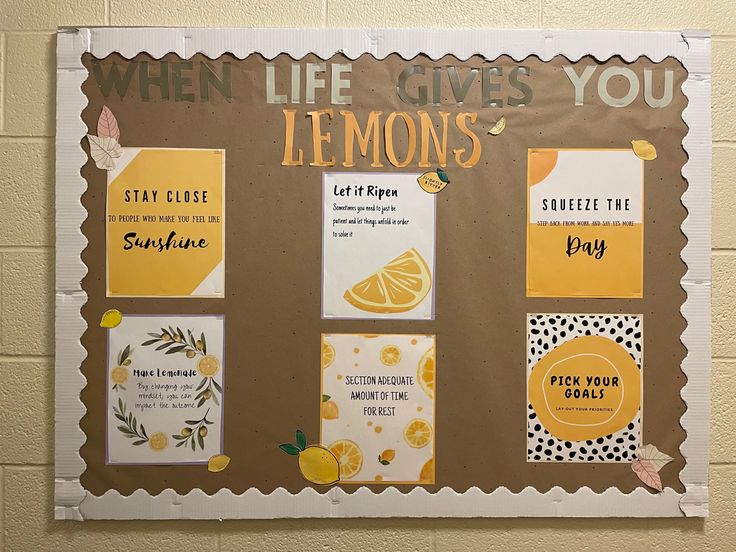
(27, 59)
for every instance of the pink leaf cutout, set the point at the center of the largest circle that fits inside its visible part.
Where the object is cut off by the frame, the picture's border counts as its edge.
(107, 124)
(647, 473)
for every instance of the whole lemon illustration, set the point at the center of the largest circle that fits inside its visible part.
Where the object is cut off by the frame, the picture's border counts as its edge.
(329, 409)
(317, 464)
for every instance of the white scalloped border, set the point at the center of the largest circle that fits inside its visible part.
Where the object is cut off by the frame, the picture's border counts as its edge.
(72, 501)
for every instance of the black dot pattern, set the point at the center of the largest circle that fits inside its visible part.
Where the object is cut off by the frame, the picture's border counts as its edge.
(546, 332)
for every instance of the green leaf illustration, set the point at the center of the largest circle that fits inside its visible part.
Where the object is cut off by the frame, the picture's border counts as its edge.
(288, 448)
(301, 440)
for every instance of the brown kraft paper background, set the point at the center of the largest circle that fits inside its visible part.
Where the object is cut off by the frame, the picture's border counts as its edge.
(273, 266)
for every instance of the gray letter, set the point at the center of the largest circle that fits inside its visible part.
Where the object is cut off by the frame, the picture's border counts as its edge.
(579, 82)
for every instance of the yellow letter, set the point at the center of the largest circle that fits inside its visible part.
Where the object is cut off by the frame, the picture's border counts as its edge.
(427, 130)
(289, 160)
(352, 130)
(318, 138)
(475, 155)
(412, 144)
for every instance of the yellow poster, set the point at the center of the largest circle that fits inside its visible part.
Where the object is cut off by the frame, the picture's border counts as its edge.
(585, 223)
(165, 223)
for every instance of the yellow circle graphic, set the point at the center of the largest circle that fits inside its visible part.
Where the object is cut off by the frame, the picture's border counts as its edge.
(586, 388)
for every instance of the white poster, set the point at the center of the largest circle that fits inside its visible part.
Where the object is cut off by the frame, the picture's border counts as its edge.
(378, 247)
(165, 389)
(378, 406)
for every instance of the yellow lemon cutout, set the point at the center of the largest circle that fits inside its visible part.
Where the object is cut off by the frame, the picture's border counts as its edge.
(319, 465)
(644, 150)
(218, 463)
(111, 318)
(586, 388)
(432, 183)
(418, 433)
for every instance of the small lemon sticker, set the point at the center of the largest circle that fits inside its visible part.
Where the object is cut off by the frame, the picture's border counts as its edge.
(499, 127)
(111, 318)
(218, 462)
(434, 182)
(644, 150)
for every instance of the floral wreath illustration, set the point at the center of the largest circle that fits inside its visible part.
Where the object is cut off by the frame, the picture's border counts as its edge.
(172, 341)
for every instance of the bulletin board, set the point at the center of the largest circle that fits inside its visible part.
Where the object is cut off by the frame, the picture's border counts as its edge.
(382, 273)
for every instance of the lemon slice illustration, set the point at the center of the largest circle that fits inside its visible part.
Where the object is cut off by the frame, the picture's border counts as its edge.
(349, 457)
(399, 286)
(427, 473)
(425, 372)
(328, 354)
(418, 433)
(499, 127)
(390, 355)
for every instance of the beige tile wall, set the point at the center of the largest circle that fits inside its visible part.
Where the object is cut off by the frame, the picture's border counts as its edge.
(26, 283)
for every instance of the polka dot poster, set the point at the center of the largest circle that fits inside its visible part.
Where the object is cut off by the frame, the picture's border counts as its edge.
(585, 398)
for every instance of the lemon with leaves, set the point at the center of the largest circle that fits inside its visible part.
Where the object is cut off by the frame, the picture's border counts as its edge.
(317, 464)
